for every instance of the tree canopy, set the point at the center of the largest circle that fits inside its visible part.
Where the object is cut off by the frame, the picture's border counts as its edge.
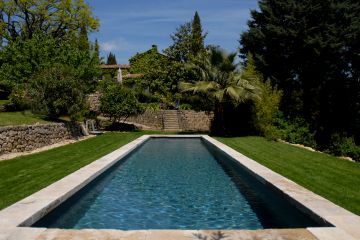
(180, 49)
(57, 91)
(311, 50)
(158, 77)
(23, 58)
(23, 18)
(188, 41)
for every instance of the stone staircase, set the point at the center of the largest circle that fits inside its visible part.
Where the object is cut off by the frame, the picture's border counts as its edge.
(171, 121)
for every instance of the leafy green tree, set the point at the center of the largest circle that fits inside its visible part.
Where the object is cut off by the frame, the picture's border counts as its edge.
(197, 36)
(159, 75)
(265, 107)
(181, 47)
(23, 58)
(56, 91)
(311, 51)
(21, 18)
(111, 59)
(188, 41)
(118, 103)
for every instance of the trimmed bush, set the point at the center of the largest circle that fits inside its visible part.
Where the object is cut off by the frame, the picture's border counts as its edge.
(118, 103)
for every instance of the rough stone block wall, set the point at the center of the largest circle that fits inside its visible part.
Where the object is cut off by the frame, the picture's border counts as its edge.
(27, 138)
(189, 120)
(94, 101)
(195, 121)
(151, 118)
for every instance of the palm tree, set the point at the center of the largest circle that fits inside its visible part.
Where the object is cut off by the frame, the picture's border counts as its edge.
(221, 79)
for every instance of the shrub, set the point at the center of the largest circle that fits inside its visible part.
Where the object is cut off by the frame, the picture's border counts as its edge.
(185, 106)
(151, 106)
(265, 109)
(294, 130)
(118, 103)
(342, 145)
(19, 98)
(57, 91)
(146, 97)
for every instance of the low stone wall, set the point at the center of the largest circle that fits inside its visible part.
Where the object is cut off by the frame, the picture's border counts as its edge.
(150, 118)
(94, 101)
(27, 138)
(195, 121)
(189, 120)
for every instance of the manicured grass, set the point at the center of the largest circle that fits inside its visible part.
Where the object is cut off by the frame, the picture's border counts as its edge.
(333, 178)
(19, 118)
(25, 175)
(3, 102)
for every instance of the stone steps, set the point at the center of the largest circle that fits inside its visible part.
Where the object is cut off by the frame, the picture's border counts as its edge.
(171, 121)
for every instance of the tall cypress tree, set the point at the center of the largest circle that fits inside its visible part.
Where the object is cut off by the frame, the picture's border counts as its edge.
(197, 37)
(111, 60)
(97, 51)
(83, 39)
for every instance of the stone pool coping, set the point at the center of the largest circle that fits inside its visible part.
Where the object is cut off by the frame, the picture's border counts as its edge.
(15, 219)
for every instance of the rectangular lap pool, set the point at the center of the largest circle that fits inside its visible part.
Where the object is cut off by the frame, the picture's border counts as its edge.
(176, 183)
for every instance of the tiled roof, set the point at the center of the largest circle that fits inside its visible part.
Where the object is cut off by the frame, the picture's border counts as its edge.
(115, 66)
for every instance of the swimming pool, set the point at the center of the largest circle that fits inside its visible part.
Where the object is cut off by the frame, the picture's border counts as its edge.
(176, 183)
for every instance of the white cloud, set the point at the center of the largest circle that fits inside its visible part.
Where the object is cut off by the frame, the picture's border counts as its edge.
(110, 46)
(115, 45)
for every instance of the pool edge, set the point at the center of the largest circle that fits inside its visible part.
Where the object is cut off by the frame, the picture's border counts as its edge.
(30, 209)
(305, 200)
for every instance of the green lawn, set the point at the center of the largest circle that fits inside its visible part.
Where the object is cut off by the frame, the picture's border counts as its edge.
(333, 178)
(19, 118)
(3, 102)
(25, 175)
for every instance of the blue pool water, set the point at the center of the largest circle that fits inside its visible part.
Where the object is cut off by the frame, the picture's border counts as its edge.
(175, 184)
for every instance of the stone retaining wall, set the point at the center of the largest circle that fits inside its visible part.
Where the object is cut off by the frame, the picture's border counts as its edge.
(150, 118)
(94, 101)
(189, 120)
(195, 121)
(27, 138)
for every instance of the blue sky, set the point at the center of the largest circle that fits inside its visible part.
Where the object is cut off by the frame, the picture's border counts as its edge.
(132, 26)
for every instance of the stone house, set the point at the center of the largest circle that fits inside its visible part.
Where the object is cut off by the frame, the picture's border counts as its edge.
(118, 72)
